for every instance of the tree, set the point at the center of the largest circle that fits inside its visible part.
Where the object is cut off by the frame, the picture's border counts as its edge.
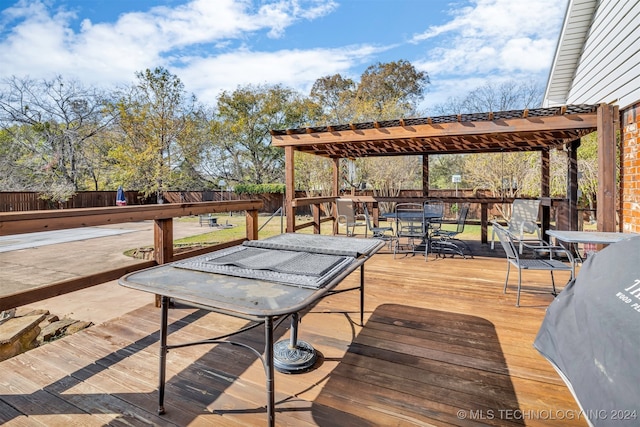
(161, 139)
(509, 95)
(335, 96)
(385, 91)
(240, 149)
(504, 174)
(442, 167)
(52, 127)
(390, 90)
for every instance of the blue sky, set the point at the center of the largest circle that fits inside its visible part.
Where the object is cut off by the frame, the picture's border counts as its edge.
(216, 45)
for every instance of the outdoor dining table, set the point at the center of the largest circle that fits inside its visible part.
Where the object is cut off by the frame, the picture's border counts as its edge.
(573, 238)
(263, 281)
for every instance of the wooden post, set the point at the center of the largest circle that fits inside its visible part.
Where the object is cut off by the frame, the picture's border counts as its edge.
(336, 192)
(606, 198)
(315, 210)
(252, 224)
(290, 190)
(545, 173)
(572, 183)
(425, 175)
(484, 222)
(162, 243)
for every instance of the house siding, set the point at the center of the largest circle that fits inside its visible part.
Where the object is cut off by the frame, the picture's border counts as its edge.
(630, 191)
(608, 67)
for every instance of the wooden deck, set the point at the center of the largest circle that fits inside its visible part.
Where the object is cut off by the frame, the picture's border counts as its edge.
(441, 345)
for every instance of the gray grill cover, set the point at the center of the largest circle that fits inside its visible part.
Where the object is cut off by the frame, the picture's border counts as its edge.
(590, 334)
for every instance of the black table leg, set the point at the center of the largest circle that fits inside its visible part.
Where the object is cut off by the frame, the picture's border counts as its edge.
(163, 351)
(268, 367)
(362, 295)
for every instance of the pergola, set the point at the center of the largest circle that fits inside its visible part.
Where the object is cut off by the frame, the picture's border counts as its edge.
(540, 129)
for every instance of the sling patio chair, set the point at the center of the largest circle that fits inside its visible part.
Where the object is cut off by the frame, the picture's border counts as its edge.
(550, 264)
(346, 216)
(383, 233)
(522, 225)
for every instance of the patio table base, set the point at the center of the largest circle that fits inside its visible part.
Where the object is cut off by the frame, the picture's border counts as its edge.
(293, 360)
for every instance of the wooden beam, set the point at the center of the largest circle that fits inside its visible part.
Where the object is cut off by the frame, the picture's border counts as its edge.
(60, 288)
(572, 183)
(289, 167)
(335, 192)
(606, 208)
(71, 285)
(545, 180)
(162, 244)
(251, 220)
(425, 175)
(61, 219)
(462, 130)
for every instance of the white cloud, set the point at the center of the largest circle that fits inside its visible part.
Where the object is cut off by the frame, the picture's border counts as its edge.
(496, 39)
(209, 44)
(292, 68)
(42, 43)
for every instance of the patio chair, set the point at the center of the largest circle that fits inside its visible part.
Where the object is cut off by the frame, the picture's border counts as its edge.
(550, 264)
(383, 233)
(346, 215)
(444, 241)
(523, 226)
(410, 228)
(433, 213)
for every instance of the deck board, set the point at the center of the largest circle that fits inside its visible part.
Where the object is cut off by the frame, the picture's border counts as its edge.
(439, 337)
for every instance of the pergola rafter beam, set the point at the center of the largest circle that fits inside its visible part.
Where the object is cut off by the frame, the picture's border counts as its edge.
(499, 131)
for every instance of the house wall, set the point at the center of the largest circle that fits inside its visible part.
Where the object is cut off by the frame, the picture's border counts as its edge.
(608, 68)
(630, 197)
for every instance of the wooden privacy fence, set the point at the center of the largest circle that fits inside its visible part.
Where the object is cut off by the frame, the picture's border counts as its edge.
(15, 201)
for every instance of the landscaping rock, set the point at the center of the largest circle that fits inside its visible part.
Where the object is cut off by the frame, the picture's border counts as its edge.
(32, 328)
(54, 330)
(19, 334)
(77, 327)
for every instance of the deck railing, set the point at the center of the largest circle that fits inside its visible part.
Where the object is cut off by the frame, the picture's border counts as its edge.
(317, 205)
(162, 214)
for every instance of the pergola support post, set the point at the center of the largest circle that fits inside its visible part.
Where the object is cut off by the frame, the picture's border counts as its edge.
(335, 192)
(545, 172)
(606, 197)
(572, 183)
(290, 193)
(425, 175)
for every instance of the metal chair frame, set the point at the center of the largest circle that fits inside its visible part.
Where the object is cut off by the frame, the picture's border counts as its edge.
(378, 232)
(523, 226)
(410, 228)
(513, 258)
(445, 242)
(346, 215)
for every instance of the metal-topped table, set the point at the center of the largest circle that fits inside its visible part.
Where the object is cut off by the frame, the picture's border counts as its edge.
(594, 237)
(261, 280)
